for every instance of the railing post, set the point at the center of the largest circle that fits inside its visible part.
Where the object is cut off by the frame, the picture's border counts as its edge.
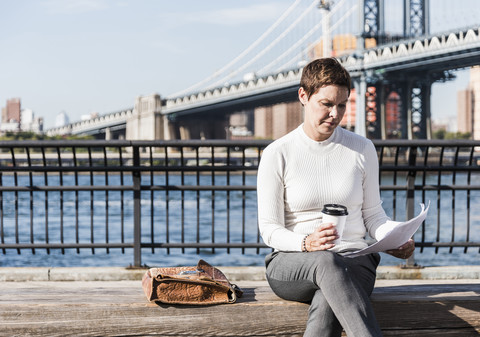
(412, 158)
(137, 225)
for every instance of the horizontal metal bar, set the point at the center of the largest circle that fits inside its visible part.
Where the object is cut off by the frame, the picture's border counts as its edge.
(218, 143)
(443, 168)
(447, 188)
(115, 143)
(73, 169)
(385, 143)
(431, 187)
(190, 245)
(125, 168)
(216, 167)
(204, 245)
(73, 188)
(447, 244)
(199, 188)
(65, 245)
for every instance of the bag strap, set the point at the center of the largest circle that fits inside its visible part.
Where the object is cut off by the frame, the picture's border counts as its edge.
(237, 290)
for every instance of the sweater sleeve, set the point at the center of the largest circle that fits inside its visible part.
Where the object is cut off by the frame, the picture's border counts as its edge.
(373, 213)
(270, 200)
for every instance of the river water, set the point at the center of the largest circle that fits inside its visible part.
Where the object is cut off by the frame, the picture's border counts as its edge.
(108, 207)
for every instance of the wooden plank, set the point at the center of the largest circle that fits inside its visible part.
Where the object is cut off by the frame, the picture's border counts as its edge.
(120, 308)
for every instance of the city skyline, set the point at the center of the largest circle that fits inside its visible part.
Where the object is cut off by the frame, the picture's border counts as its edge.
(94, 56)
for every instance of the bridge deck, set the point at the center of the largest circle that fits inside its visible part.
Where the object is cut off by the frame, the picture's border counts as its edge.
(119, 308)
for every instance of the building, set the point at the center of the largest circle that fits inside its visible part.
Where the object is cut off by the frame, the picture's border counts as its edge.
(11, 113)
(275, 121)
(241, 125)
(341, 44)
(61, 119)
(448, 124)
(393, 116)
(468, 105)
(14, 119)
(11, 116)
(348, 121)
(464, 111)
(29, 122)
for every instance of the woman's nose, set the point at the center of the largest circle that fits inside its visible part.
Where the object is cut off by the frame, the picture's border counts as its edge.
(333, 112)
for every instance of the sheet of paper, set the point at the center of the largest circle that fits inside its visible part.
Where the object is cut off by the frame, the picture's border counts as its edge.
(393, 234)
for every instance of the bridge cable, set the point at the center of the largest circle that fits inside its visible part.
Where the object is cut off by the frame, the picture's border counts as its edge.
(306, 36)
(306, 50)
(239, 57)
(266, 49)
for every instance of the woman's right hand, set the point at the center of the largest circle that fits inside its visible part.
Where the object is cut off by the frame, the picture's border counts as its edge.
(322, 238)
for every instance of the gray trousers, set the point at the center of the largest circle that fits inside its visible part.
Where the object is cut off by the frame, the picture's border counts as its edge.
(338, 289)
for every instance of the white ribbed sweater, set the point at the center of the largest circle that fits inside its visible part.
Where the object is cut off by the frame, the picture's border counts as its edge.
(298, 175)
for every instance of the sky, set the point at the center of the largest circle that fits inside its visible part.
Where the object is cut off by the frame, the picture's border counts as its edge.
(86, 56)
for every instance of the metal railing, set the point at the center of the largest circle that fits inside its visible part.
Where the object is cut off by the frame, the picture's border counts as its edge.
(445, 174)
(202, 194)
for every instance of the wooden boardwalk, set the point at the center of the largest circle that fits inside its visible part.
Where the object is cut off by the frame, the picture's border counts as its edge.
(119, 308)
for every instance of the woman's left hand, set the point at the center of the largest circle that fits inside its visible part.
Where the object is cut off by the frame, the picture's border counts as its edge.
(404, 251)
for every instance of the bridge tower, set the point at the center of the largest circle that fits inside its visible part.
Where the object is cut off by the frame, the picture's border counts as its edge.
(414, 89)
(146, 121)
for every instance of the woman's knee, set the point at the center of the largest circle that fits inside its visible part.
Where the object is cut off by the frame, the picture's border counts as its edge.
(300, 291)
(327, 261)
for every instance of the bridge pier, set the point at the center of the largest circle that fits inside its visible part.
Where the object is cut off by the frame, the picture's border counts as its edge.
(360, 85)
(108, 134)
(397, 109)
(381, 100)
(372, 111)
(146, 121)
(393, 107)
(274, 121)
(415, 109)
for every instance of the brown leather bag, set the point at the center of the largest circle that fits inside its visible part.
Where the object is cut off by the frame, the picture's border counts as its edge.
(200, 285)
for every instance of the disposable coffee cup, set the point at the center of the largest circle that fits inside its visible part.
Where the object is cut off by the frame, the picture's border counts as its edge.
(336, 214)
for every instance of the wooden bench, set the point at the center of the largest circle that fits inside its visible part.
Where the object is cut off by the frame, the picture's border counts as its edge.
(119, 308)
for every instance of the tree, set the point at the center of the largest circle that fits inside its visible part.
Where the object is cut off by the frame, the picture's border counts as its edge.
(443, 134)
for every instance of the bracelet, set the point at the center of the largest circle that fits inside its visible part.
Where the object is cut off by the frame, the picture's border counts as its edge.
(304, 244)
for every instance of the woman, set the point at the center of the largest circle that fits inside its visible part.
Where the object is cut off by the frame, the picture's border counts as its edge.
(314, 165)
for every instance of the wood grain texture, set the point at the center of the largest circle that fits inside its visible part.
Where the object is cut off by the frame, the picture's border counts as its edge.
(119, 308)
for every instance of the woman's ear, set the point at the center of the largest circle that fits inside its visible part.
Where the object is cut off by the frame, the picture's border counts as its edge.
(302, 96)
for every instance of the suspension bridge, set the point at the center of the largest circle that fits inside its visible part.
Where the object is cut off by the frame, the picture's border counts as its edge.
(394, 51)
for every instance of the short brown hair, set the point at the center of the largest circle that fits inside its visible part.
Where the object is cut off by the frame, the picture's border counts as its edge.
(322, 72)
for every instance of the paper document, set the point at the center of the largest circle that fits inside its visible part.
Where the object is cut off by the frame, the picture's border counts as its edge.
(393, 234)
